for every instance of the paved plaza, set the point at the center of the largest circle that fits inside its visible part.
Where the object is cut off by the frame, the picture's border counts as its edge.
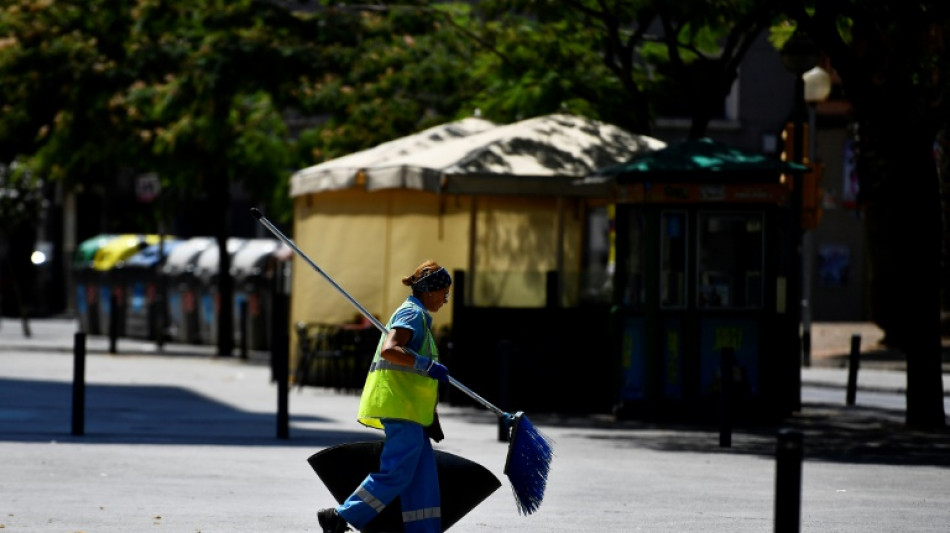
(182, 441)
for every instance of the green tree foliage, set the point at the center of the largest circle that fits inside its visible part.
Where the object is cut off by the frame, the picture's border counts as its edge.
(409, 68)
(60, 64)
(21, 198)
(541, 57)
(619, 61)
(213, 82)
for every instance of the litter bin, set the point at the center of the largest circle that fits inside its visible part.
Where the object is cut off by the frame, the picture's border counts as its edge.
(252, 285)
(182, 287)
(86, 281)
(118, 249)
(206, 270)
(139, 277)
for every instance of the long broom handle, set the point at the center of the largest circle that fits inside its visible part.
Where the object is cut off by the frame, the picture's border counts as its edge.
(369, 316)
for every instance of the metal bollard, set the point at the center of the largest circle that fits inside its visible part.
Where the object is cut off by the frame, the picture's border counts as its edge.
(79, 383)
(282, 363)
(806, 348)
(113, 322)
(504, 360)
(854, 362)
(726, 371)
(158, 317)
(243, 326)
(788, 481)
(280, 346)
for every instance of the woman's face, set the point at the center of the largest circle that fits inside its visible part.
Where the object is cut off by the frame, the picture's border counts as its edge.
(434, 300)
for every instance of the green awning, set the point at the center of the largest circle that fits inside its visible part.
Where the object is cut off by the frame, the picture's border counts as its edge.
(701, 160)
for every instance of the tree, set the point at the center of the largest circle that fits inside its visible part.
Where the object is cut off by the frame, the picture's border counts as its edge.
(201, 93)
(58, 65)
(213, 81)
(21, 202)
(894, 64)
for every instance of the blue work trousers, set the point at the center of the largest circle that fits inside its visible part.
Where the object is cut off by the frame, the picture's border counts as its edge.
(408, 471)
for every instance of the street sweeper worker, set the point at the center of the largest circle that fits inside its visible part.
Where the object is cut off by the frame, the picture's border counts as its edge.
(399, 397)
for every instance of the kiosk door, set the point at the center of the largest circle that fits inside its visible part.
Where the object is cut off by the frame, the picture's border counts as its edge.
(693, 281)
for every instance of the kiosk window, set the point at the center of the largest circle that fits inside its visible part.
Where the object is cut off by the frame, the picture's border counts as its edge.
(673, 259)
(632, 274)
(730, 260)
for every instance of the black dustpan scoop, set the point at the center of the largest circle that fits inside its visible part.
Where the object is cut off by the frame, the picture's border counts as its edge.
(463, 484)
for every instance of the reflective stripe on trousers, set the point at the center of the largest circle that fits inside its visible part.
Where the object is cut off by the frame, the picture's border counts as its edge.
(369, 499)
(422, 514)
(408, 471)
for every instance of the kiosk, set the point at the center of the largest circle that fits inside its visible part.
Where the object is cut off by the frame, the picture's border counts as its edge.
(705, 247)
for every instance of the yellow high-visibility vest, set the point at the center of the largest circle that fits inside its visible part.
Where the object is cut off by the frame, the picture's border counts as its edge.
(398, 391)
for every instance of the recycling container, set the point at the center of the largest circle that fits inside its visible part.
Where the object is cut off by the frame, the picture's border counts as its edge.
(86, 281)
(118, 249)
(182, 288)
(206, 270)
(143, 287)
(252, 270)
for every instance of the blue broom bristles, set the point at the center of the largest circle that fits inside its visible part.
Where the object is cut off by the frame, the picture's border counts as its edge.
(528, 463)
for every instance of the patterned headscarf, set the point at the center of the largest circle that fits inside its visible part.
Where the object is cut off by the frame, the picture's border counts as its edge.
(432, 281)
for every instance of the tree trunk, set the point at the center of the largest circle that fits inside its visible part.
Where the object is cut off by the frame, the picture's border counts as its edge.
(21, 244)
(901, 193)
(222, 207)
(943, 172)
(18, 296)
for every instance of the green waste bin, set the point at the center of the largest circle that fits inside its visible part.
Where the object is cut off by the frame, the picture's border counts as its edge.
(86, 282)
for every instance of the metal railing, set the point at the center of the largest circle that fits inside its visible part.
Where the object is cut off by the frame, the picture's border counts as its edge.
(335, 356)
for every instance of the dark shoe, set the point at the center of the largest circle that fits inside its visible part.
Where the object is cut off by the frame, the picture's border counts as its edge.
(331, 521)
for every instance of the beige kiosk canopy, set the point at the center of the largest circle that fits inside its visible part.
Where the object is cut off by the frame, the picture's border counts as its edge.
(502, 203)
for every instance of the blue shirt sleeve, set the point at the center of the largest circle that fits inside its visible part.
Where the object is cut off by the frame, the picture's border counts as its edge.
(407, 317)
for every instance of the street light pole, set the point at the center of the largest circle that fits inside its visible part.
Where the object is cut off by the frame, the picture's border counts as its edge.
(795, 289)
(799, 54)
(817, 89)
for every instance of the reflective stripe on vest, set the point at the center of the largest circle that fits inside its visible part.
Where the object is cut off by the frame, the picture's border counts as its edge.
(386, 365)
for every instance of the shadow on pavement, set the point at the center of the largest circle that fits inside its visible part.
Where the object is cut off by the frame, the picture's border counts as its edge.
(857, 435)
(41, 411)
(832, 434)
(882, 358)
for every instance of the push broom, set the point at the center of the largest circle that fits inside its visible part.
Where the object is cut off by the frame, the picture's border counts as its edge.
(529, 452)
